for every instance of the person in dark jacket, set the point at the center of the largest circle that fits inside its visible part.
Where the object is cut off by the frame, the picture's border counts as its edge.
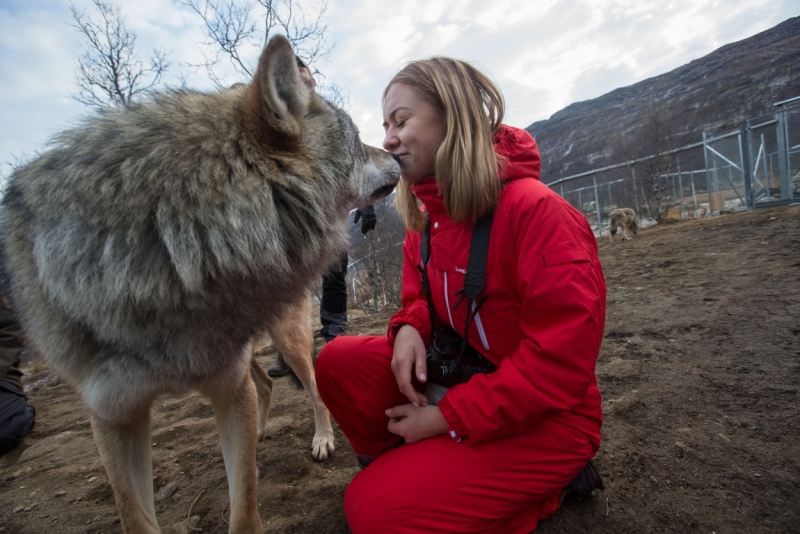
(17, 417)
(333, 307)
(498, 451)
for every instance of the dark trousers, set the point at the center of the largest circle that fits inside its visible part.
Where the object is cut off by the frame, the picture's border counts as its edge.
(333, 308)
(17, 417)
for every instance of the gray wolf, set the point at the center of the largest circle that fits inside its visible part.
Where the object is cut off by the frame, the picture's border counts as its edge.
(151, 244)
(624, 219)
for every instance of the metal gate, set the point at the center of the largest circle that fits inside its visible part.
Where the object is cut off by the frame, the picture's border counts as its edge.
(725, 173)
(772, 144)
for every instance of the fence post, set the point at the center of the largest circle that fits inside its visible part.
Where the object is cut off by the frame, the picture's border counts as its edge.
(783, 155)
(680, 187)
(708, 177)
(671, 198)
(744, 158)
(724, 198)
(767, 176)
(373, 278)
(644, 194)
(597, 206)
(632, 174)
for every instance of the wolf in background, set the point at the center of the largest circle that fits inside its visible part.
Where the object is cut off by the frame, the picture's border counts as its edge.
(624, 219)
(150, 245)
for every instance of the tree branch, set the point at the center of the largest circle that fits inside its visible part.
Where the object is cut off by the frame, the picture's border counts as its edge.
(109, 71)
(230, 31)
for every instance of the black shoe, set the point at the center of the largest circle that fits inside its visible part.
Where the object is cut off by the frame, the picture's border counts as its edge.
(364, 460)
(585, 483)
(279, 368)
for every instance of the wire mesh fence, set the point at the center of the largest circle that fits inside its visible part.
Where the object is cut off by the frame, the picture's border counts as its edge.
(757, 165)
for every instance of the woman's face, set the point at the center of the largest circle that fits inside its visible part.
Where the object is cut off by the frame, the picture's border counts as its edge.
(414, 130)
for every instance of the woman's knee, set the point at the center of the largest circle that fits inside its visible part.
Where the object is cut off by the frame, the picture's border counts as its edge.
(325, 366)
(324, 361)
(338, 352)
(364, 512)
(338, 369)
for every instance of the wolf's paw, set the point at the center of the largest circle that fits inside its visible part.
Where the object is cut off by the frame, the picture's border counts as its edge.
(187, 526)
(322, 447)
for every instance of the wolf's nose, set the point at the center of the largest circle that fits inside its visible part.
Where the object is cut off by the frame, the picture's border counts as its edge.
(396, 158)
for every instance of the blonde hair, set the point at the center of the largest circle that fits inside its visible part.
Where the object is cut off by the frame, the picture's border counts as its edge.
(466, 164)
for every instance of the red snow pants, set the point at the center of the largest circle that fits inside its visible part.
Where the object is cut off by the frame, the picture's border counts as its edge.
(436, 485)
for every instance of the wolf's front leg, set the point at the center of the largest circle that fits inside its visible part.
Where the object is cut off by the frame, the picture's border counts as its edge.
(291, 334)
(126, 454)
(236, 410)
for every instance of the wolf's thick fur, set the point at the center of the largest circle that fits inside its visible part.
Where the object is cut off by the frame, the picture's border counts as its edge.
(622, 218)
(151, 244)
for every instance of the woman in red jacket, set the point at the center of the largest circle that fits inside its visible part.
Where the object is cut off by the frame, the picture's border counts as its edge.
(498, 451)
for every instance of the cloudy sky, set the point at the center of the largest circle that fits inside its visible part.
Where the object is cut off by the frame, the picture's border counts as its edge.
(544, 54)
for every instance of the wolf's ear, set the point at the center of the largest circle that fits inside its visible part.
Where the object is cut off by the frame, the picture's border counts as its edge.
(285, 95)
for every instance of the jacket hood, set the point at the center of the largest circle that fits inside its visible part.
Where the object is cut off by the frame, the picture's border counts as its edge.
(519, 158)
(520, 151)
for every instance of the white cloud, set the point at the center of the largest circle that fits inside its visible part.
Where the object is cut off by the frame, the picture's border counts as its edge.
(502, 14)
(37, 53)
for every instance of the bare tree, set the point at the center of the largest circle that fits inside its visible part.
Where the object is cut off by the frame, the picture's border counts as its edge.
(110, 69)
(650, 149)
(376, 272)
(626, 149)
(237, 30)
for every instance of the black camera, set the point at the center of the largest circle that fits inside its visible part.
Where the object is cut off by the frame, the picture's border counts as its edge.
(443, 360)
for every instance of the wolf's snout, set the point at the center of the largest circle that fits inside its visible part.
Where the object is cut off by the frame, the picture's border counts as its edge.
(382, 173)
(382, 191)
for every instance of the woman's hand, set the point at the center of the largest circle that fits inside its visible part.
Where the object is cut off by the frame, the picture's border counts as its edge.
(415, 423)
(409, 355)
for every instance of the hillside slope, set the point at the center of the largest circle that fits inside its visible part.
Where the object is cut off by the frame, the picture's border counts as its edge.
(714, 93)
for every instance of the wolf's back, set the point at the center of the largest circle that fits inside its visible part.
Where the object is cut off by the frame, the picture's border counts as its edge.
(165, 218)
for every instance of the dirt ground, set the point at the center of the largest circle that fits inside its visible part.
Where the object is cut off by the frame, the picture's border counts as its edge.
(700, 373)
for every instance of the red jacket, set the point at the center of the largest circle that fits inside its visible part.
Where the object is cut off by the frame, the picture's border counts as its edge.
(543, 320)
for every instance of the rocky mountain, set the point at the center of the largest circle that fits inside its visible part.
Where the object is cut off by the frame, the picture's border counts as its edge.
(714, 93)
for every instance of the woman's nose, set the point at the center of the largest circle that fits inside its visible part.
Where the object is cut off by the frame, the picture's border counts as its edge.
(390, 141)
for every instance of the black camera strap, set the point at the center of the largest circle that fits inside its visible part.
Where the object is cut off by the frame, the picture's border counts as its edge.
(474, 280)
(425, 257)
